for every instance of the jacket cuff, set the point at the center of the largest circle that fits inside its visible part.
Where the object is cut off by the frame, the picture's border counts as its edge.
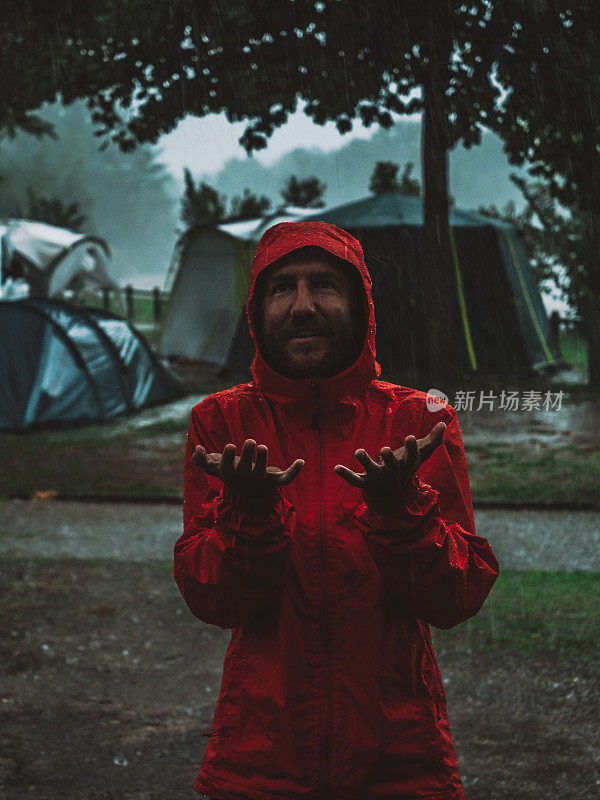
(250, 518)
(408, 514)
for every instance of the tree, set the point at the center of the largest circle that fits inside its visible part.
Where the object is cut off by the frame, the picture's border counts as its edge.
(346, 60)
(409, 185)
(129, 199)
(200, 204)
(304, 193)
(554, 237)
(549, 119)
(54, 211)
(384, 178)
(249, 205)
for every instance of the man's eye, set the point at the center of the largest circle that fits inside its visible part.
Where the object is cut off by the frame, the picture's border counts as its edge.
(325, 283)
(279, 287)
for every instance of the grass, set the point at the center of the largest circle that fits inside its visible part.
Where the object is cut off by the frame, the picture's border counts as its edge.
(533, 612)
(148, 462)
(567, 474)
(112, 459)
(143, 307)
(92, 462)
(573, 348)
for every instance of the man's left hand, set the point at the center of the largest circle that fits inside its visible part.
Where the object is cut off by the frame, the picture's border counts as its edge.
(387, 479)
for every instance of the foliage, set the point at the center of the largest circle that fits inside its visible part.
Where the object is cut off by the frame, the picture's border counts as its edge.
(131, 200)
(408, 184)
(28, 123)
(549, 115)
(384, 179)
(254, 61)
(200, 204)
(249, 205)
(554, 237)
(304, 192)
(506, 65)
(54, 211)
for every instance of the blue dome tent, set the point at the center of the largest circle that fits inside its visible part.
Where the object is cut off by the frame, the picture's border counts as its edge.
(65, 365)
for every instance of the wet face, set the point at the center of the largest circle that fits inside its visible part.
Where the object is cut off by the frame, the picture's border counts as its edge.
(309, 322)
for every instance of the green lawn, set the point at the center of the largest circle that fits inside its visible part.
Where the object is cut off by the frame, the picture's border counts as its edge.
(573, 348)
(565, 474)
(535, 611)
(143, 312)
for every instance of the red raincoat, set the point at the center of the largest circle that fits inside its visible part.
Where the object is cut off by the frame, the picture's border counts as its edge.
(330, 687)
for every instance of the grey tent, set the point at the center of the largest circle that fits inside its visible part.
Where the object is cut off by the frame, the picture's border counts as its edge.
(500, 323)
(208, 287)
(60, 364)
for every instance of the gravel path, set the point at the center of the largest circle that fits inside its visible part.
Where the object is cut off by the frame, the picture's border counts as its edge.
(548, 540)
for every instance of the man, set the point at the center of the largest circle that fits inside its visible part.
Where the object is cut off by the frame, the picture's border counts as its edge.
(327, 574)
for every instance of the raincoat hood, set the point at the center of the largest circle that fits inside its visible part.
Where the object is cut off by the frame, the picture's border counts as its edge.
(278, 241)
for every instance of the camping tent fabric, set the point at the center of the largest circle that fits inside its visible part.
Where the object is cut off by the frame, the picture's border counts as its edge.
(391, 209)
(60, 364)
(500, 324)
(208, 294)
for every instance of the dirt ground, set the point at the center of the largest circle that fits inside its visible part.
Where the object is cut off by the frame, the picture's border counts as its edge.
(108, 686)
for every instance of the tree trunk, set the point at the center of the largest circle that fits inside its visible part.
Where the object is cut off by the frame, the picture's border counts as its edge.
(591, 304)
(438, 368)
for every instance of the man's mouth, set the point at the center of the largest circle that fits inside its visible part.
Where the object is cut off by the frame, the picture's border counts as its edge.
(305, 335)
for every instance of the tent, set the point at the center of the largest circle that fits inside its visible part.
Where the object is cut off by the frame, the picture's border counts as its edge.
(208, 286)
(60, 364)
(500, 323)
(52, 260)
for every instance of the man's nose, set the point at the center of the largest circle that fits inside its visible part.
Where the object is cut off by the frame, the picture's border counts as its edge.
(303, 301)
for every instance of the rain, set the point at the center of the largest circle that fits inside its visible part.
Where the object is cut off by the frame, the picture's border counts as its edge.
(144, 151)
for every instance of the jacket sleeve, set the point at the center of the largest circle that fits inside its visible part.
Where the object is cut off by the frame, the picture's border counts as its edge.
(426, 547)
(232, 559)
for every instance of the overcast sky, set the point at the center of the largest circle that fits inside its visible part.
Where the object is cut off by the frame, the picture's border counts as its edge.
(205, 145)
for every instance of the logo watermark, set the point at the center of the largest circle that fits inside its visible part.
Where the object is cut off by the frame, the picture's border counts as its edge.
(436, 400)
(527, 400)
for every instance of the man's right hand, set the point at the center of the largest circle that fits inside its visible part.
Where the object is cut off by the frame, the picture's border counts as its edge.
(248, 473)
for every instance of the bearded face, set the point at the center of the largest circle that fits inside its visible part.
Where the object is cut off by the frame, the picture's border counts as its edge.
(310, 321)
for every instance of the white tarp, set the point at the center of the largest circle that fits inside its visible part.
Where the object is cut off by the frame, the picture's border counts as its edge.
(63, 256)
(253, 229)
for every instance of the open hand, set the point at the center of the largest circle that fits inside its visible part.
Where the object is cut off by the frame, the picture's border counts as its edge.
(388, 478)
(247, 473)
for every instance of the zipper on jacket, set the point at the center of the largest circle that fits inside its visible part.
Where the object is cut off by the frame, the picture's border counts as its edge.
(325, 791)
(314, 423)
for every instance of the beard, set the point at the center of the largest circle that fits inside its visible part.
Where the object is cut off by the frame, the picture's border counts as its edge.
(323, 357)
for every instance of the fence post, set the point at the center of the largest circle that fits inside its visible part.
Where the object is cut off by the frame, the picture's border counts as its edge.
(554, 334)
(129, 301)
(156, 304)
